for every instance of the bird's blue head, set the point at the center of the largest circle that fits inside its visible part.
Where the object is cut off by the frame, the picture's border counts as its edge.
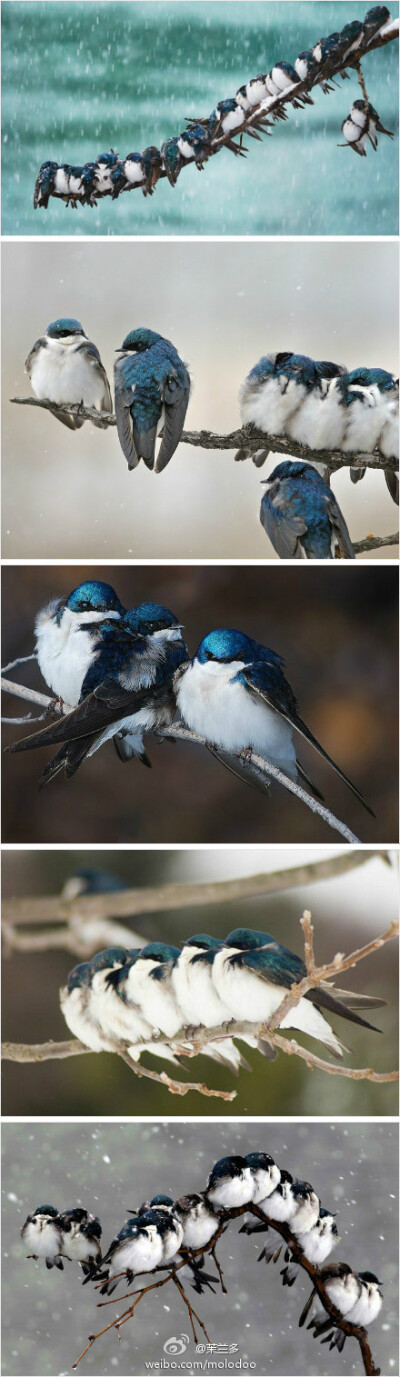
(161, 1200)
(291, 468)
(161, 952)
(149, 617)
(370, 1276)
(96, 881)
(139, 340)
(94, 596)
(302, 1190)
(324, 1214)
(74, 1216)
(59, 329)
(107, 159)
(225, 645)
(203, 940)
(352, 31)
(226, 106)
(228, 1166)
(259, 1161)
(288, 70)
(80, 976)
(108, 959)
(47, 1209)
(286, 1176)
(247, 939)
(297, 366)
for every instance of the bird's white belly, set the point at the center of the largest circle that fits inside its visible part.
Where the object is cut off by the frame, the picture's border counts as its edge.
(269, 407)
(63, 375)
(223, 711)
(253, 1000)
(74, 1007)
(236, 1191)
(45, 1242)
(197, 1232)
(138, 1255)
(78, 1249)
(155, 1000)
(363, 427)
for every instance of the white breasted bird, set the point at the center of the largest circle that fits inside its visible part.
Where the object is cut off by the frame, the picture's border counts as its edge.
(65, 366)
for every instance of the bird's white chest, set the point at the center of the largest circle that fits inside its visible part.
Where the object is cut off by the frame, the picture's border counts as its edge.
(217, 706)
(156, 999)
(43, 1238)
(65, 651)
(64, 373)
(238, 1190)
(199, 1228)
(197, 998)
(248, 997)
(264, 1183)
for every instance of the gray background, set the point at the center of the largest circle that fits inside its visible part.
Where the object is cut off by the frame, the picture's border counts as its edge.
(47, 1316)
(70, 495)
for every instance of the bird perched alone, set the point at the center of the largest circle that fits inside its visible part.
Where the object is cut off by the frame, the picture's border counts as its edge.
(64, 367)
(152, 389)
(301, 516)
(42, 1234)
(234, 693)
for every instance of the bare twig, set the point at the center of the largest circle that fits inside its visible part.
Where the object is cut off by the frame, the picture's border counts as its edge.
(128, 903)
(247, 437)
(263, 767)
(374, 543)
(42, 1051)
(21, 660)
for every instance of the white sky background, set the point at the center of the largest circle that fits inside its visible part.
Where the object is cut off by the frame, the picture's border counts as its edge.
(223, 304)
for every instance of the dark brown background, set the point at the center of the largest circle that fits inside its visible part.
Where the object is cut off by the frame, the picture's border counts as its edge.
(337, 631)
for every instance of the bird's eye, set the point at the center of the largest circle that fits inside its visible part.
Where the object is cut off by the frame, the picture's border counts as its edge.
(209, 655)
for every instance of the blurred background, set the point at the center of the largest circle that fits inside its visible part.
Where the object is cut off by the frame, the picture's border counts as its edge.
(79, 78)
(337, 631)
(109, 1167)
(348, 910)
(223, 305)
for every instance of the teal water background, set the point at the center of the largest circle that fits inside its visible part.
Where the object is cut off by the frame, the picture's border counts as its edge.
(79, 78)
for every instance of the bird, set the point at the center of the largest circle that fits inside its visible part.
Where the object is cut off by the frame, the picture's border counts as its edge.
(375, 19)
(280, 78)
(230, 1183)
(105, 165)
(234, 694)
(265, 1173)
(66, 636)
(173, 159)
(301, 516)
(126, 691)
(195, 144)
(318, 422)
(90, 880)
(280, 1204)
(81, 1234)
(42, 1234)
(64, 367)
(253, 92)
(342, 1286)
(84, 1000)
(138, 1247)
(199, 1219)
(369, 398)
(199, 1004)
(362, 124)
(44, 185)
(172, 1235)
(292, 394)
(152, 388)
(252, 973)
(364, 1311)
(316, 1245)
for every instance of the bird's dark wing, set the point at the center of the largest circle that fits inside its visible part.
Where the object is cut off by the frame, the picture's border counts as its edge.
(339, 527)
(392, 483)
(125, 428)
(284, 529)
(281, 700)
(28, 362)
(105, 705)
(175, 399)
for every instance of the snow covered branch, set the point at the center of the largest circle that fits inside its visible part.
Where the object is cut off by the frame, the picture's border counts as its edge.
(191, 1043)
(177, 732)
(260, 119)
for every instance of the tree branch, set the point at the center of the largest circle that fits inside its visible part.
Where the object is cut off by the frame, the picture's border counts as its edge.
(163, 898)
(350, 1330)
(262, 119)
(244, 438)
(191, 1043)
(179, 733)
(375, 543)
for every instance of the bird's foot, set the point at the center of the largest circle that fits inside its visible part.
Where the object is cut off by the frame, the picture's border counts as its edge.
(246, 755)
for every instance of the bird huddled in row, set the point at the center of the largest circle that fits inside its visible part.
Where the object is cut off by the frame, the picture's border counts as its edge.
(152, 387)
(253, 110)
(162, 1231)
(121, 674)
(56, 1234)
(362, 125)
(152, 998)
(323, 406)
(301, 516)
